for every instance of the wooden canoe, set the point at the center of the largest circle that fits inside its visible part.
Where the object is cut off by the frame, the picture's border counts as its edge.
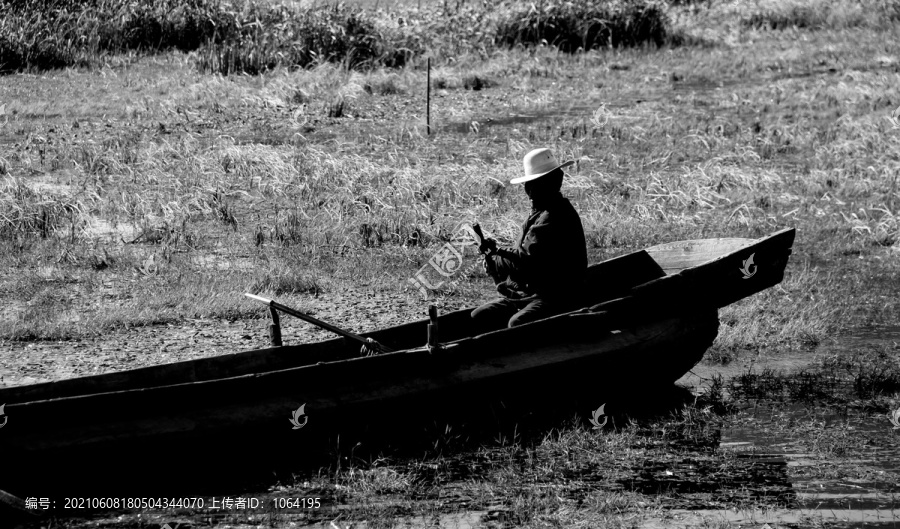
(649, 316)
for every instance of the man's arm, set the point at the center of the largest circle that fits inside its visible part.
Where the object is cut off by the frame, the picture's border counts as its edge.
(534, 250)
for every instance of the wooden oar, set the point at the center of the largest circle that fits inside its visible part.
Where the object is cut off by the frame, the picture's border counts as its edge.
(488, 262)
(368, 342)
(476, 228)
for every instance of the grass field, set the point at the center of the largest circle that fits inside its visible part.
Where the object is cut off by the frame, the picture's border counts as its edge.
(175, 190)
(139, 190)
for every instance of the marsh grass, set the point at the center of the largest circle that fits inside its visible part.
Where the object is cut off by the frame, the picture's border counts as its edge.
(324, 207)
(704, 23)
(242, 36)
(691, 160)
(29, 213)
(818, 15)
(585, 25)
(868, 378)
(263, 37)
(41, 35)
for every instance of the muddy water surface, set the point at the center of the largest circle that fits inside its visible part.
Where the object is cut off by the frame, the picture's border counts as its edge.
(842, 463)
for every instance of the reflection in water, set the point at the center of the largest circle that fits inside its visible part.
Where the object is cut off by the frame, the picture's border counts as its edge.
(863, 473)
(839, 458)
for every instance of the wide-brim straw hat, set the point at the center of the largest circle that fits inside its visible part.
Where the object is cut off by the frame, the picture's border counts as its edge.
(537, 163)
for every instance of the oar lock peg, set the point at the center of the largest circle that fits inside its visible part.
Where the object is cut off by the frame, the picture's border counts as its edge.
(433, 345)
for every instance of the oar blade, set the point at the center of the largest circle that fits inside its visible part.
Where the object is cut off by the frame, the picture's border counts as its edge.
(261, 299)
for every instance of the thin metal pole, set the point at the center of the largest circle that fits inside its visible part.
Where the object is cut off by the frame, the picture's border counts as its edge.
(428, 98)
(541, 22)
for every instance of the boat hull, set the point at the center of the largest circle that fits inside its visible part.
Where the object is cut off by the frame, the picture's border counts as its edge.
(193, 426)
(224, 430)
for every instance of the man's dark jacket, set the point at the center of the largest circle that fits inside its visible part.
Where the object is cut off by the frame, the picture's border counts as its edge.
(551, 258)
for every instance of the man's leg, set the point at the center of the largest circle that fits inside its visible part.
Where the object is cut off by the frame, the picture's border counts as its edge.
(493, 315)
(537, 309)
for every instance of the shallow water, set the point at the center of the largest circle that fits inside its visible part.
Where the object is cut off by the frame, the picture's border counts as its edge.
(777, 518)
(602, 110)
(850, 483)
(882, 335)
(866, 473)
(523, 116)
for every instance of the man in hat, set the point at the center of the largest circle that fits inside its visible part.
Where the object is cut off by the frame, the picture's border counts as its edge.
(543, 275)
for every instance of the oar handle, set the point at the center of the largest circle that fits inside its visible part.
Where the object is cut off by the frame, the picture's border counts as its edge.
(305, 317)
(481, 240)
(476, 228)
(488, 262)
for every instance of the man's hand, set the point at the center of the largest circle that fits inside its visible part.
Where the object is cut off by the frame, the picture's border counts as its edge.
(486, 266)
(490, 269)
(488, 247)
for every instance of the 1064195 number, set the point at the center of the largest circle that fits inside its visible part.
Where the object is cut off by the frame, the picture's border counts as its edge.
(297, 503)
